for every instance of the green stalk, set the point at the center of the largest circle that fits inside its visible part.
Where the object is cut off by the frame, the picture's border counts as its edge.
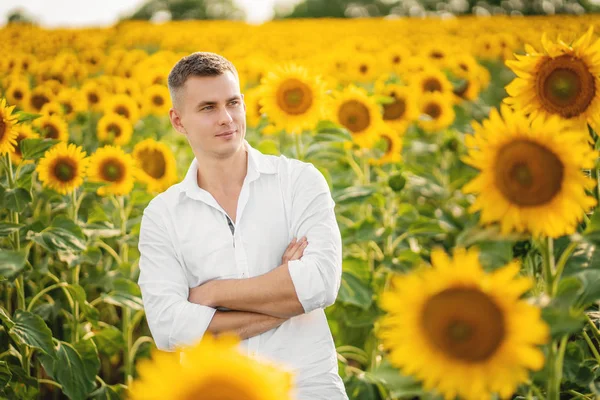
(560, 266)
(556, 360)
(126, 326)
(548, 264)
(298, 144)
(592, 346)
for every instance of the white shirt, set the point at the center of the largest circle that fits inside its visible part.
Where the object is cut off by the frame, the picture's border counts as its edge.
(186, 240)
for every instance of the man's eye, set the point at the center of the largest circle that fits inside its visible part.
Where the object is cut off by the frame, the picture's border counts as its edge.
(235, 102)
(207, 108)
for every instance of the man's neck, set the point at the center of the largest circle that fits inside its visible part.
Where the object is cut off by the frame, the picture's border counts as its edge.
(223, 175)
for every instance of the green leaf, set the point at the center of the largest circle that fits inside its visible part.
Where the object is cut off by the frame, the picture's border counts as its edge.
(354, 291)
(106, 392)
(109, 340)
(16, 199)
(6, 228)
(562, 321)
(5, 318)
(399, 385)
(27, 117)
(31, 330)
(71, 371)
(35, 148)
(5, 374)
(590, 292)
(268, 146)
(354, 194)
(123, 300)
(79, 296)
(24, 175)
(12, 263)
(62, 235)
(89, 355)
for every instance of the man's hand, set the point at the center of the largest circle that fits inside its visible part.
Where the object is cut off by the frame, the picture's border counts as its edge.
(295, 250)
(206, 293)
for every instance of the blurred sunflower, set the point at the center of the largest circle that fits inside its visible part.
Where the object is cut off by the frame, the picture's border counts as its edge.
(110, 164)
(253, 107)
(8, 136)
(392, 149)
(395, 56)
(114, 129)
(23, 131)
(52, 108)
(18, 92)
(52, 127)
(158, 100)
(563, 80)
(436, 112)
(431, 80)
(62, 168)
(404, 108)
(156, 165)
(293, 98)
(214, 368)
(95, 95)
(356, 111)
(362, 68)
(39, 96)
(123, 105)
(528, 169)
(460, 330)
(72, 101)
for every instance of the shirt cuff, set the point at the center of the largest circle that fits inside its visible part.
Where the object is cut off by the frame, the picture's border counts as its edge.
(308, 283)
(190, 324)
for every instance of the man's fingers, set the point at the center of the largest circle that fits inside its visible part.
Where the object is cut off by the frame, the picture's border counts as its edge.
(299, 251)
(292, 252)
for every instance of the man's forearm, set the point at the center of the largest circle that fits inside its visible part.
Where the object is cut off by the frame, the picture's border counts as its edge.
(244, 324)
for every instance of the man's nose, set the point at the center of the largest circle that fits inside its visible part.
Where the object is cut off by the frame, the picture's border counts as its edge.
(224, 117)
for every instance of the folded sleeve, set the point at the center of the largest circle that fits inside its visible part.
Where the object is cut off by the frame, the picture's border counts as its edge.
(317, 275)
(173, 320)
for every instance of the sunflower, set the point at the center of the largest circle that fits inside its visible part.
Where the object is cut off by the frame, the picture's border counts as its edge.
(392, 145)
(95, 95)
(23, 131)
(110, 164)
(563, 80)
(18, 92)
(8, 136)
(253, 107)
(52, 108)
(362, 68)
(214, 368)
(460, 330)
(156, 165)
(436, 111)
(404, 108)
(395, 56)
(114, 129)
(528, 169)
(355, 110)
(123, 105)
(52, 127)
(72, 102)
(431, 80)
(293, 98)
(62, 168)
(39, 96)
(158, 100)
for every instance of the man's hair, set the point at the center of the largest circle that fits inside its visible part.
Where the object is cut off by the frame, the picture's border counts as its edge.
(197, 64)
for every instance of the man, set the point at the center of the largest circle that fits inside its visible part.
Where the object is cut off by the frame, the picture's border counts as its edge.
(211, 246)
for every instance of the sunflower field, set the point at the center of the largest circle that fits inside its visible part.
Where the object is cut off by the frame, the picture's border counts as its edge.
(462, 155)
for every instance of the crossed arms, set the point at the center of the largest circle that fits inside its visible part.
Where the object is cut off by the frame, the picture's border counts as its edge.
(178, 315)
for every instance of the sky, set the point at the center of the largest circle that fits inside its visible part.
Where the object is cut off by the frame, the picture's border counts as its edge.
(76, 13)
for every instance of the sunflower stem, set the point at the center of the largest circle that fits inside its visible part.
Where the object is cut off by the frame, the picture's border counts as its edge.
(354, 165)
(548, 263)
(592, 346)
(298, 144)
(560, 266)
(75, 331)
(595, 330)
(556, 359)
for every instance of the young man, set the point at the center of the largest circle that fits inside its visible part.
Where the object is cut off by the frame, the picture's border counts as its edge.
(211, 246)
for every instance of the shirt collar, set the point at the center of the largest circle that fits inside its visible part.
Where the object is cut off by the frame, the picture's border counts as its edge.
(258, 164)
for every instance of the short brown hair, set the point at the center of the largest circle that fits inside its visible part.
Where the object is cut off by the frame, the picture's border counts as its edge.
(197, 64)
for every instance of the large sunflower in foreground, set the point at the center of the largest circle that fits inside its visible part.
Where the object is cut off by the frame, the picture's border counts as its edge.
(62, 168)
(156, 165)
(212, 369)
(356, 111)
(564, 80)
(114, 129)
(8, 136)
(527, 170)
(461, 330)
(111, 165)
(293, 98)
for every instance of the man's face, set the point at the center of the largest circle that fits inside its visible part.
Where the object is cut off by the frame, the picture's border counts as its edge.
(213, 115)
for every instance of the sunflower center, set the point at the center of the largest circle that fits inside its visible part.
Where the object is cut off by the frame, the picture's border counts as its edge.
(18, 146)
(153, 163)
(388, 144)
(38, 101)
(294, 97)
(93, 98)
(224, 390)
(464, 324)
(354, 115)
(528, 174)
(158, 101)
(2, 129)
(432, 85)
(396, 60)
(363, 69)
(565, 86)
(122, 110)
(112, 170)
(67, 107)
(50, 131)
(433, 110)
(114, 129)
(394, 110)
(462, 89)
(17, 94)
(64, 170)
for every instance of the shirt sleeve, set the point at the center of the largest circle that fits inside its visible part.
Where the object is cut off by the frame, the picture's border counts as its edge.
(173, 320)
(317, 275)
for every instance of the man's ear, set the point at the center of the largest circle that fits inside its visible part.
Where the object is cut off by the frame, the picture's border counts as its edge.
(176, 121)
